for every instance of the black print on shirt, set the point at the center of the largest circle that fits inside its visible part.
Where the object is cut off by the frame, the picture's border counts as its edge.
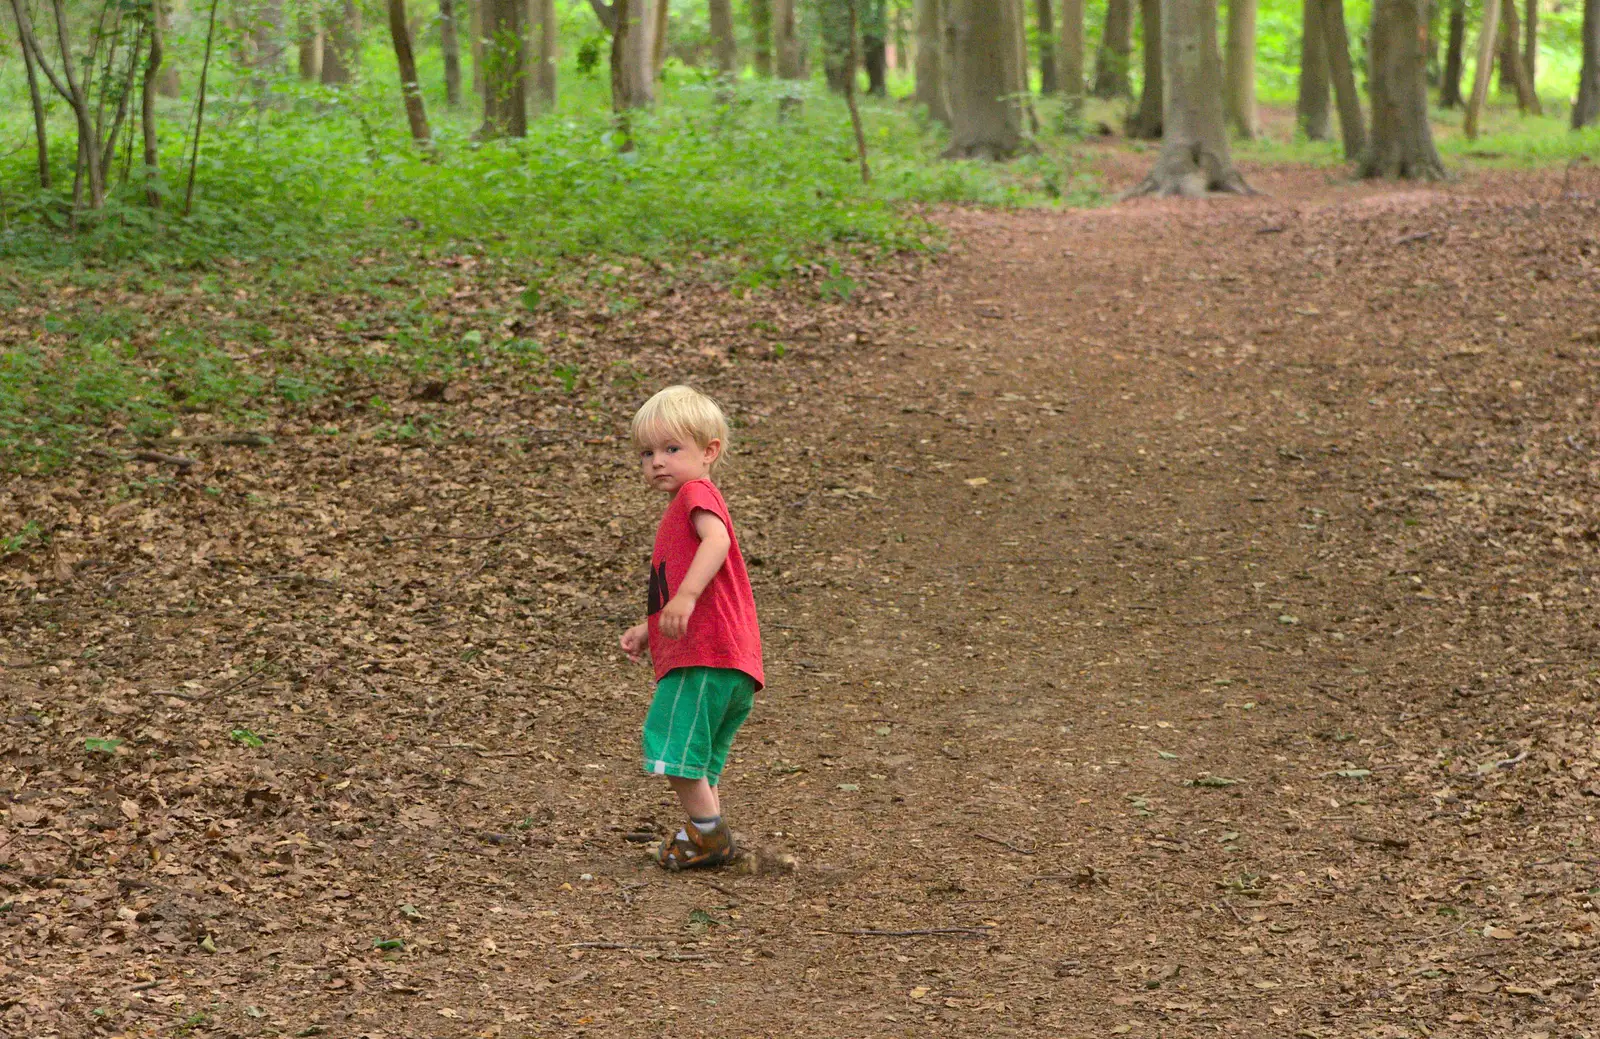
(658, 589)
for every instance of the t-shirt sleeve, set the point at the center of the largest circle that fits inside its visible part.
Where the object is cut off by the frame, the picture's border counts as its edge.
(698, 495)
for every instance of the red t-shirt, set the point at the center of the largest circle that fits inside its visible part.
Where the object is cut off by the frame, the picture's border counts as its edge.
(723, 631)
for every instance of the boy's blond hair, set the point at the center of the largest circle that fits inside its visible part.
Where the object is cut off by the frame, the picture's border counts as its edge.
(683, 412)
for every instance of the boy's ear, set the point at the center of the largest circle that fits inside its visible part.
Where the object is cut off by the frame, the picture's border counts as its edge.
(713, 450)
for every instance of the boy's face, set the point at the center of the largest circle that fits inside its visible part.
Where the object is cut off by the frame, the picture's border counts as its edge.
(667, 462)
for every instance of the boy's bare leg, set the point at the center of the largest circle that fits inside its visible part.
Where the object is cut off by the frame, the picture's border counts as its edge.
(698, 797)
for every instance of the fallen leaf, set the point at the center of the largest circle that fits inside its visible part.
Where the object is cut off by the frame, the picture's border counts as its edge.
(1498, 933)
(977, 481)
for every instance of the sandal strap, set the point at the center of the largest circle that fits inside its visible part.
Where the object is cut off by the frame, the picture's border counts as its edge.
(691, 849)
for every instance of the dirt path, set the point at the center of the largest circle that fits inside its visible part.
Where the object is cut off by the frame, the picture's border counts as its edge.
(1193, 607)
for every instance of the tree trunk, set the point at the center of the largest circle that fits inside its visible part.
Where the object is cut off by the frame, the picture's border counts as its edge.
(167, 84)
(1586, 108)
(544, 44)
(1530, 43)
(1048, 83)
(147, 113)
(658, 42)
(1511, 66)
(761, 29)
(786, 40)
(1312, 108)
(723, 48)
(1241, 70)
(410, 89)
(838, 50)
(984, 79)
(1116, 45)
(1450, 89)
(1487, 34)
(1194, 155)
(505, 101)
(475, 10)
(1069, 57)
(638, 54)
(930, 42)
(1402, 140)
(1145, 123)
(87, 171)
(450, 44)
(309, 47)
(341, 48)
(1352, 126)
(874, 40)
(41, 136)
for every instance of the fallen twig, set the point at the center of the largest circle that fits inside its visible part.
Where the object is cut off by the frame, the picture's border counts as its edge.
(1004, 844)
(1388, 843)
(1407, 239)
(458, 537)
(235, 685)
(970, 932)
(1512, 762)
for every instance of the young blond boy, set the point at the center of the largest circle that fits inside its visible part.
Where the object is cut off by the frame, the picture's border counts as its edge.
(700, 630)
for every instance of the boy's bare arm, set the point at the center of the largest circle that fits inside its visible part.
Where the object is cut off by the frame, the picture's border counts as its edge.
(715, 543)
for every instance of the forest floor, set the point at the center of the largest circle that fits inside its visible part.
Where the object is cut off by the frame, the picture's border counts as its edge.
(1181, 620)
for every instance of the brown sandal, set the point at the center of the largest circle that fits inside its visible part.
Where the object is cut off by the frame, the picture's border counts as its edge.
(691, 849)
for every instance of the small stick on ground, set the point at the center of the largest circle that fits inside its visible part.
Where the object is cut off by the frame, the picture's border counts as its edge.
(1004, 844)
(230, 688)
(970, 932)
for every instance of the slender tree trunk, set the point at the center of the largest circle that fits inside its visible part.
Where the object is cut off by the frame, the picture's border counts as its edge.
(761, 30)
(723, 48)
(450, 44)
(850, 97)
(41, 136)
(872, 37)
(341, 49)
(1487, 34)
(838, 50)
(1194, 157)
(200, 112)
(621, 107)
(1352, 126)
(410, 89)
(1511, 66)
(1241, 69)
(1450, 89)
(1146, 121)
(1530, 43)
(544, 43)
(1402, 139)
(1116, 45)
(89, 174)
(929, 70)
(984, 79)
(658, 48)
(475, 20)
(1312, 107)
(1069, 57)
(1586, 108)
(147, 114)
(1048, 82)
(167, 84)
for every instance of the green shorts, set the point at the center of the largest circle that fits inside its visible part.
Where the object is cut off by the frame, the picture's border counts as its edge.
(692, 720)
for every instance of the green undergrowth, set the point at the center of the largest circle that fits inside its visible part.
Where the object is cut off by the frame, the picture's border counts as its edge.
(308, 197)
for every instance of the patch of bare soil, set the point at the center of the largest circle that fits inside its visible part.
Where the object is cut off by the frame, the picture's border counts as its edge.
(1181, 620)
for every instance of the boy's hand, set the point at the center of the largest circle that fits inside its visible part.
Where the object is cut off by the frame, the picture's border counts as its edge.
(675, 616)
(636, 641)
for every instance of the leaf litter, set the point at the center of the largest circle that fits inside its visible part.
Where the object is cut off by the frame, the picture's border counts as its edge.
(418, 632)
